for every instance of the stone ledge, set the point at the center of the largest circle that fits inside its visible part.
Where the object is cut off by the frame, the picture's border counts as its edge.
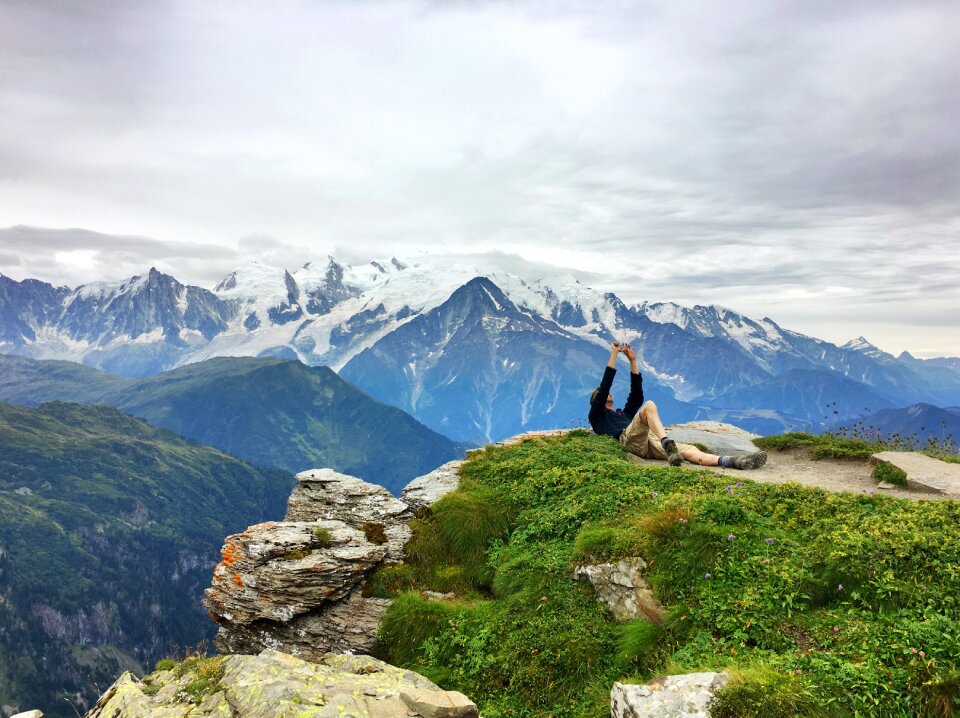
(923, 472)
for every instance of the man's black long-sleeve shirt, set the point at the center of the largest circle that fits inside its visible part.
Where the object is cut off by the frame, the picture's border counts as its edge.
(612, 423)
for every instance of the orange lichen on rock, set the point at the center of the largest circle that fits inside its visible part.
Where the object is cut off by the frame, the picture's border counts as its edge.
(237, 580)
(230, 554)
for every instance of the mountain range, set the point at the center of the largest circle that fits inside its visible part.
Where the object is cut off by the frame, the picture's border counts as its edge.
(916, 426)
(474, 355)
(271, 412)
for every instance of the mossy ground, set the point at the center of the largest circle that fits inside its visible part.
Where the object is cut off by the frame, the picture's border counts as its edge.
(822, 603)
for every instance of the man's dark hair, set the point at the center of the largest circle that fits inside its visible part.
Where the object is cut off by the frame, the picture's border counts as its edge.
(593, 396)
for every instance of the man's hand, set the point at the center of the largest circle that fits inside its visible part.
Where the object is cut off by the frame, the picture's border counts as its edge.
(615, 349)
(628, 350)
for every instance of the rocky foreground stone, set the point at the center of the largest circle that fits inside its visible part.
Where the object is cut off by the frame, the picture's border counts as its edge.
(297, 585)
(684, 696)
(277, 685)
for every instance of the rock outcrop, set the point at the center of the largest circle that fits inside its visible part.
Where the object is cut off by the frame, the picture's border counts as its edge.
(426, 490)
(621, 588)
(277, 581)
(297, 585)
(274, 684)
(924, 473)
(686, 696)
(324, 494)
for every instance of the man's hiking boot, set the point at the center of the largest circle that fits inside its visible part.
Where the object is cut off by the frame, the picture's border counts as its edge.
(750, 461)
(673, 454)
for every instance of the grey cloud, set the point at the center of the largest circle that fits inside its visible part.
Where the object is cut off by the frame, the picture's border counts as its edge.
(743, 152)
(75, 256)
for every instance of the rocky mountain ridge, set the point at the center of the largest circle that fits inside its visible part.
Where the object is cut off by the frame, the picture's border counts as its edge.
(454, 341)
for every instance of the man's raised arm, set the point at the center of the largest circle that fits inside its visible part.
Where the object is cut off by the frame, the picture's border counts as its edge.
(635, 399)
(599, 398)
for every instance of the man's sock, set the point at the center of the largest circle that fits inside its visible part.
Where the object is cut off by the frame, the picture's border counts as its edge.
(725, 461)
(664, 441)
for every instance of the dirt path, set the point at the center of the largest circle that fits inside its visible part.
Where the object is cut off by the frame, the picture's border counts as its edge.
(795, 465)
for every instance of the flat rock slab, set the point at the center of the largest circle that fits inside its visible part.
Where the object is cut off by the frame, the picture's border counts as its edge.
(923, 472)
(720, 438)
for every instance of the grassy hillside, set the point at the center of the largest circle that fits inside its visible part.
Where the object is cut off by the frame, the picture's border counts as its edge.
(109, 531)
(820, 604)
(271, 412)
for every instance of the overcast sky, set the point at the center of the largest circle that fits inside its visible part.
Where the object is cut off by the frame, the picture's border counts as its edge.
(798, 160)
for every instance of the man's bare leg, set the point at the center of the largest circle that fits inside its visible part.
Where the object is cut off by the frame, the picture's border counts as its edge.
(651, 418)
(701, 458)
(743, 461)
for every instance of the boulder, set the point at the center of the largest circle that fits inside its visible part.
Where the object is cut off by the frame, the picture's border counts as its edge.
(719, 437)
(324, 495)
(684, 696)
(29, 714)
(278, 580)
(275, 684)
(621, 588)
(426, 490)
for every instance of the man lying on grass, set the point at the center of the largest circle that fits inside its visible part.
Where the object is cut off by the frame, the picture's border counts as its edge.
(638, 427)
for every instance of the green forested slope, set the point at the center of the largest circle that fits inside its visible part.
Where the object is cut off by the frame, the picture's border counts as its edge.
(109, 531)
(271, 412)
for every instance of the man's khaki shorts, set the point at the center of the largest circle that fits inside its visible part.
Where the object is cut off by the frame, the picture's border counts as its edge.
(638, 440)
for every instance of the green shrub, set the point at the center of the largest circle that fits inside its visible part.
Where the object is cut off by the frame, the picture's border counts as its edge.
(890, 473)
(470, 522)
(389, 580)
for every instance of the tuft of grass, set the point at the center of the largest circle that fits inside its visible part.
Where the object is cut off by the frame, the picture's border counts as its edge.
(599, 543)
(375, 533)
(637, 639)
(410, 621)
(939, 697)
(165, 664)
(207, 674)
(890, 473)
(703, 447)
(783, 442)
(766, 693)
(296, 554)
(321, 537)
